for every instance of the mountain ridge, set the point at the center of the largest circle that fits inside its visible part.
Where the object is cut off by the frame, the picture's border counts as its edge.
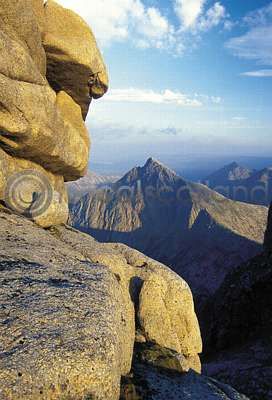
(242, 184)
(198, 232)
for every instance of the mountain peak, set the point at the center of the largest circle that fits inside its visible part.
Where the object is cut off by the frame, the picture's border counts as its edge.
(154, 165)
(232, 165)
(152, 173)
(230, 172)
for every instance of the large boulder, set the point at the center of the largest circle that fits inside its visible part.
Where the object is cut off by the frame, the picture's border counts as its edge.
(74, 62)
(64, 327)
(70, 323)
(40, 130)
(39, 123)
(68, 313)
(162, 300)
(178, 330)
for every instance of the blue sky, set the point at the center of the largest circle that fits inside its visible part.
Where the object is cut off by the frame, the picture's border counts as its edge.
(186, 76)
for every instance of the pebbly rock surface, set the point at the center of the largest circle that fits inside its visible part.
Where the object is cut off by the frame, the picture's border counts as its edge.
(48, 56)
(65, 331)
(166, 316)
(69, 311)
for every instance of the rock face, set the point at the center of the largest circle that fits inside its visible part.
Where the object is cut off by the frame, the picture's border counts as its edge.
(239, 326)
(42, 97)
(69, 310)
(199, 233)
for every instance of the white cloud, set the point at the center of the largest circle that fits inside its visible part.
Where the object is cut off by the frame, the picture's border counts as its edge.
(261, 16)
(256, 43)
(194, 16)
(119, 20)
(240, 119)
(213, 17)
(134, 95)
(146, 27)
(208, 99)
(262, 73)
(188, 11)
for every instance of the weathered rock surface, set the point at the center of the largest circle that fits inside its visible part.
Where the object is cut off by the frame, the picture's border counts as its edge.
(179, 329)
(65, 330)
(72, 56)
(20, 18)
(42, 93)
(38, 130)
(20, 197)
(69, 310)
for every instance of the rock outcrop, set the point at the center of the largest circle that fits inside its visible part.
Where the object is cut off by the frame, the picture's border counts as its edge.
(70, 309)
(48, 55)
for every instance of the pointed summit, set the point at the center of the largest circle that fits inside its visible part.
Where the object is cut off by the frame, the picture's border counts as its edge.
(155, 165)
(229, 173)
(153, 173)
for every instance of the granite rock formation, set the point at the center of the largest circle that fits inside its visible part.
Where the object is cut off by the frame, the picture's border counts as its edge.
(45, 92)
(70, 309)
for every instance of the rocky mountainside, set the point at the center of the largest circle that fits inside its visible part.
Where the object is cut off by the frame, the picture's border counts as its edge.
(91, 181)
(241, 184)
(229, 173)
(238, 340)
(199, 233)
(76, 313)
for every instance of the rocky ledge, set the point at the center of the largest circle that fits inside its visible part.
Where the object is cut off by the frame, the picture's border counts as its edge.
(78, 315)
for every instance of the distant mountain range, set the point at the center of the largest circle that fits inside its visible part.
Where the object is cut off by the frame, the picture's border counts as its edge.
(242, 184)
(199, 233)
(90, 182)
